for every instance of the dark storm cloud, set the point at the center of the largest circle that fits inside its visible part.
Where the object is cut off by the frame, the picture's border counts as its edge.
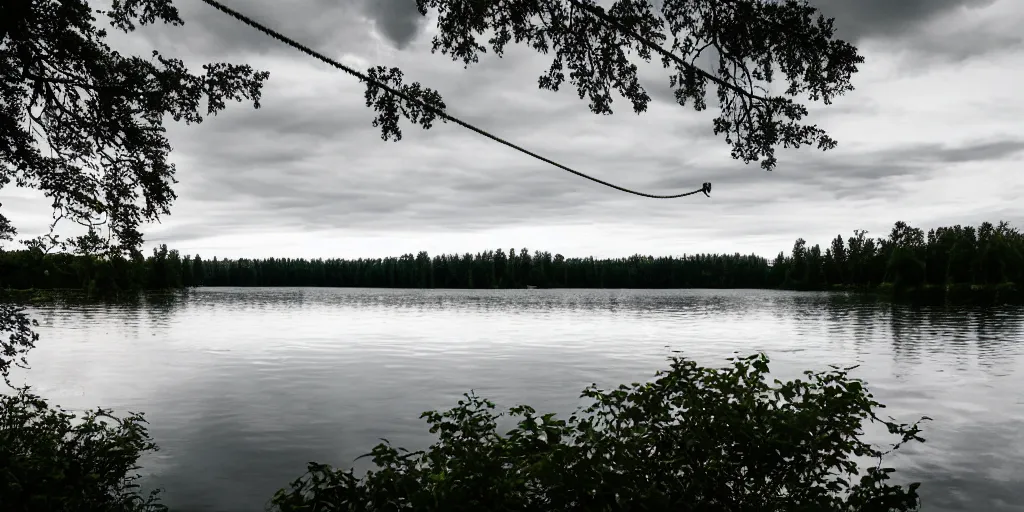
(900, 24)
(328, 26)
(914, 25)
(986, 151)
(325, 25)
(859, 19)
(399, 20)
(963, 45)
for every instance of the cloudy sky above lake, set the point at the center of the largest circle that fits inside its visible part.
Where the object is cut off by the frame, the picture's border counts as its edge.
(932, 135)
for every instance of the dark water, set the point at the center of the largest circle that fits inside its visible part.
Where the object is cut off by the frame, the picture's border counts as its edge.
(244, 386)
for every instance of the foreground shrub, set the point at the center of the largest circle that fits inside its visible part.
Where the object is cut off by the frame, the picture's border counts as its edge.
(51, 460)
(696, 439)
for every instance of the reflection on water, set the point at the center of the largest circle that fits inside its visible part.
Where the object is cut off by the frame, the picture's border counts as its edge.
(244, 386)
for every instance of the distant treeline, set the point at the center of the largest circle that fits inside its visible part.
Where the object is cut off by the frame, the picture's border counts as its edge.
(989, 255)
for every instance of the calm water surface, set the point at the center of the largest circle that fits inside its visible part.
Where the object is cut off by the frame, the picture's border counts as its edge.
(244, 386)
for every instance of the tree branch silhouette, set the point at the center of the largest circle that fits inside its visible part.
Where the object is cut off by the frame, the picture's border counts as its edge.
(421, 105)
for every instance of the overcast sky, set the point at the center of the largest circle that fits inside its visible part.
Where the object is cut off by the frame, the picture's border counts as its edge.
(932, 135)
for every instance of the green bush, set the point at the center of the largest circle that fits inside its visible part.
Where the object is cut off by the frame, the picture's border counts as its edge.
(697, 439)
(51, 460)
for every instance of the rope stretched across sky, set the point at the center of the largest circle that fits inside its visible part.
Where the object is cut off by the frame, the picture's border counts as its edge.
(705, 188)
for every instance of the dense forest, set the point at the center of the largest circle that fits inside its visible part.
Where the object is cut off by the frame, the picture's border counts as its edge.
(988, 255)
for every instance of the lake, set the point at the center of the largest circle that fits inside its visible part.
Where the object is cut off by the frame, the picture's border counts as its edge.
(244, 386)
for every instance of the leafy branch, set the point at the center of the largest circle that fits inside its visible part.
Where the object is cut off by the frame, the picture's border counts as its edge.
(753, 41)
(85, 124)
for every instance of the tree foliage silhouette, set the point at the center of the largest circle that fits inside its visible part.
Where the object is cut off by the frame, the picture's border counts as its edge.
(954, 258)
(693, 438)
(84, 125)
(752, 43)
(100, 114)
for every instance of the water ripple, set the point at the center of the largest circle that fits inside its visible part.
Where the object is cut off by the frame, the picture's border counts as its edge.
(244, 386)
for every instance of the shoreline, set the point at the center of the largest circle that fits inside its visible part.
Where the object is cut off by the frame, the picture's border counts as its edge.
(1005, 292)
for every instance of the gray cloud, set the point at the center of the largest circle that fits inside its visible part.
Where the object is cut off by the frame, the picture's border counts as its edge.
(311, 161)
(329, 26)
(399, 20)
(856, 20)
(863, 174)
(325, 25)
(983, 151)
(315, 161)
(915, 25)
(859, 19)
(899, 24)
(961, 45)
(345, 25)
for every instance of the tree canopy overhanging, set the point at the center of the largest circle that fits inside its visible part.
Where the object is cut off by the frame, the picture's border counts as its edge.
(753, 42)
(85, 124)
